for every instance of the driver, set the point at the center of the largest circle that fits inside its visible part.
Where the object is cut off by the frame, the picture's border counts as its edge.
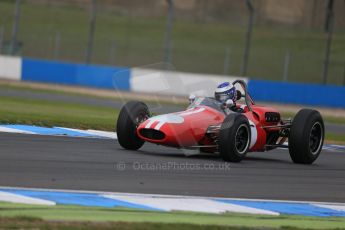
(226, 94)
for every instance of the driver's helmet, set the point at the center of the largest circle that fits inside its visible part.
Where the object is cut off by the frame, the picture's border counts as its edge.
(225, 91)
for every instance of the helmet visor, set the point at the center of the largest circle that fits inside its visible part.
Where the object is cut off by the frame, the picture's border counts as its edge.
(223, 97)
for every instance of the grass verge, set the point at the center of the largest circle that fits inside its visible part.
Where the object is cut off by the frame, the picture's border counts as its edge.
(55, 113)
(334, 138)
(58, 217)
(91, 92)
(107, 94)
(326, 118)
(48, 113)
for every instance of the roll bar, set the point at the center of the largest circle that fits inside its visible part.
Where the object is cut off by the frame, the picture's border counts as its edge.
(248, 99)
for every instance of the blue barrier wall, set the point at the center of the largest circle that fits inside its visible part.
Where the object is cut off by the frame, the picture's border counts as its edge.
(119, 78)
(75, 74)
(295, 93)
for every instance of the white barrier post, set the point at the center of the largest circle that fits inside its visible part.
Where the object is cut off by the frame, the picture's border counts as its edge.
(13, 44)
(168, 31)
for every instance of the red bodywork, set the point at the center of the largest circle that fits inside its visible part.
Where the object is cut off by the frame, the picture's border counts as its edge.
(189, 128)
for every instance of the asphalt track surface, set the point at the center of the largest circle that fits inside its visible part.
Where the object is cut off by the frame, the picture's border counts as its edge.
(102, 165)
(94, 101)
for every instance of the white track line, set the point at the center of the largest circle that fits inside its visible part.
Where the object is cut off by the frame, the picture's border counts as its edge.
(14, 198)
(189, 204)
(167, 196)
(336, 207)
(10, 130)
(97, 133)
(111, 135)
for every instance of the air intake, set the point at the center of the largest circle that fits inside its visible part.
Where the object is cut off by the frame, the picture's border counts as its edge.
(152, 134)
(272, 117)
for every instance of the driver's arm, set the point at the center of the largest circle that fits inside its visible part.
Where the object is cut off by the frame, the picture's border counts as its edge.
(233, 107)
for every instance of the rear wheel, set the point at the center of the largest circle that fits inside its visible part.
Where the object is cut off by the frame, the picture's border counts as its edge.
(306, 136)
(234, 138)
(131, 115)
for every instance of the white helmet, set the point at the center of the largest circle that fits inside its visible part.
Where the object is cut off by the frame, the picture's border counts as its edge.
(225, 91)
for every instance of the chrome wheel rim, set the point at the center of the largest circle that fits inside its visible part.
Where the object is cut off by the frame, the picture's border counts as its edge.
(143, 116)
(242, 139)
(315, 138)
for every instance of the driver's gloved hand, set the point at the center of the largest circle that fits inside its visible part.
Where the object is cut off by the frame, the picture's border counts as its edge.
(232, 106)
(191, 98)
(239, 110)
(229, 103)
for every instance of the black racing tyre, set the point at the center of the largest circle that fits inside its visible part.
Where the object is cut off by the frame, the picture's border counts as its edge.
(131, 115)
(306, 136)
(234, 137)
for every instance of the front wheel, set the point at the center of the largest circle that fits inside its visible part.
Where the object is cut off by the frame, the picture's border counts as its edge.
(306, 136)
(131, 115)
(234, 137)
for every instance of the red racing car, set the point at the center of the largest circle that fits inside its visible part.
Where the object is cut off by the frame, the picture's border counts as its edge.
(207, 125)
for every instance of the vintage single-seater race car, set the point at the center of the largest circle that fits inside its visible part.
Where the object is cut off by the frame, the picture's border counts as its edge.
(211, 127)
